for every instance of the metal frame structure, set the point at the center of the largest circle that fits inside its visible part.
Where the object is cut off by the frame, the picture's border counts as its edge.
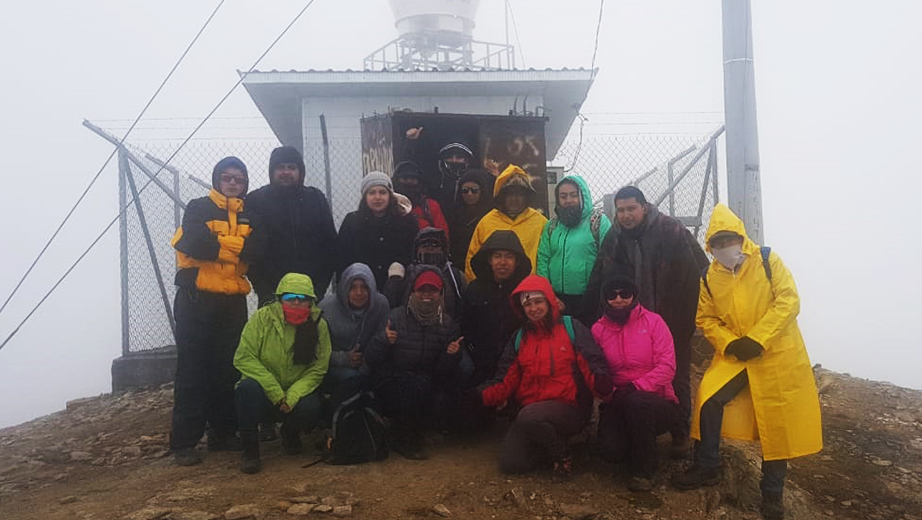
(403, 54)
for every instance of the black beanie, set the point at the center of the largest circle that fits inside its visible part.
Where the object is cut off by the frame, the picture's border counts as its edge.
(285, 155)
(619, 282)
(225, 163)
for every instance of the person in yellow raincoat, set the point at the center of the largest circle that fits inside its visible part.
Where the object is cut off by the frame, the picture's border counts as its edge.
(513, 195)
(760, 379)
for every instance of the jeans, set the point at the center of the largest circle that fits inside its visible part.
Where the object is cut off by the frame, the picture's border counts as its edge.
(707, 449)
(542, 426)
(628, 428)
(253, 407)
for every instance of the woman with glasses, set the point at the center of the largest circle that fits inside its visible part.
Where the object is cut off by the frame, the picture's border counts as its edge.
(638, 346)
(473, 200)
(283, 356)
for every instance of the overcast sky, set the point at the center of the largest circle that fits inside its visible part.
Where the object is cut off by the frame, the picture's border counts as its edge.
(837, 85)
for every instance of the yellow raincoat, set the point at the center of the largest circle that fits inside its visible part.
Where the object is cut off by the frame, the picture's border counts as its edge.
(528, 225)
(781, 406)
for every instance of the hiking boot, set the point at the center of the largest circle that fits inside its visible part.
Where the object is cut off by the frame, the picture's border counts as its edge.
(695, 477)
(411, 450)
(268, 432)
(249, 463)
(772, 506)
(640, 484)
(187, 457)
(226, 443)
(563, 470)
(680, 447)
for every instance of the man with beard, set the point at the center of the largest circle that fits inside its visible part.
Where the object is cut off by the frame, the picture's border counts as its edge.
(408, 181)
(299, 225)
(666, 262)
(570, 243)
(412, 360)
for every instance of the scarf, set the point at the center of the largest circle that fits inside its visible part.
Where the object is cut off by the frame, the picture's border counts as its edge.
(426, 313)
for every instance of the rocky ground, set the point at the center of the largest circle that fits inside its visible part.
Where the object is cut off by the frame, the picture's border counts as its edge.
(106, 458)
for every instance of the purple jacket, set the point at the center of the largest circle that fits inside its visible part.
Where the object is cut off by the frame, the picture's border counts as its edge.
(640, 352)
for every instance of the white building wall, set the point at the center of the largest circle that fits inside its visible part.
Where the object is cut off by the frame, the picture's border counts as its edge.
(343, 117)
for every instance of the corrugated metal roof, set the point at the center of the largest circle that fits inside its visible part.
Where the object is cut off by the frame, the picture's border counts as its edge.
(434, 69)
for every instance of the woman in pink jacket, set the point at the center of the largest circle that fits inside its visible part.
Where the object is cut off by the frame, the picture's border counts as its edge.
(641, 357)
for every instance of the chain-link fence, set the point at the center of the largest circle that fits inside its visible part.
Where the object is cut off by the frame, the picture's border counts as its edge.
(686, 163)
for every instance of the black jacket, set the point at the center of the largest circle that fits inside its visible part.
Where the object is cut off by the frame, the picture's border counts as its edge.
(666, 263)
(301, 234)
(464, 219)
(418, 349)
(376, 242)
(488, 318)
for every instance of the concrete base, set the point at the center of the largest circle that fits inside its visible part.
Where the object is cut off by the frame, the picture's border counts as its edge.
(144, 369)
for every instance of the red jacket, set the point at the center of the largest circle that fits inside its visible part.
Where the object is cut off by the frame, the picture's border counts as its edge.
(547, 363)
(428, 213)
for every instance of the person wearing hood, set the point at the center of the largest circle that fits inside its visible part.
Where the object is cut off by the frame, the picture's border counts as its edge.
(298, 223)
(429, 249)
(379, 233)
(413, 359)
(218, 240)
(408, 181)
(488, 318)
(665, 261)
(473, 200)
(513, 195)
(354, 314)
(455, 157)
(760, 383)
(548, 369)
(570, 242)
(283, 355)
(641, 358)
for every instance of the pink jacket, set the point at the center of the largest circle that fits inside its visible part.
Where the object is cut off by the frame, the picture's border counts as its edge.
(640, 352)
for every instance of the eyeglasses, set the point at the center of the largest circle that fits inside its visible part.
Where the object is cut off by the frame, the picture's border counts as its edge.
(296, 298)
(625, 294)
(465, 191)
(233, 179)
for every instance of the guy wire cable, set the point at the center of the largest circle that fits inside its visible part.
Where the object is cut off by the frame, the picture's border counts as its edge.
(106, 163)
(592, 71)
(150, 181)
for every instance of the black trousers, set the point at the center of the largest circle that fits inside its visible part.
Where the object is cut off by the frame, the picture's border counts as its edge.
(405, 398)
(208, 327)
(681, 385)
(254, 407)
(628, 428)
(707, 454)
(539, 431)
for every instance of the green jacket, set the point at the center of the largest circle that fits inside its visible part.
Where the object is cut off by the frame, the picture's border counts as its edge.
(566, 255)
(265, 351)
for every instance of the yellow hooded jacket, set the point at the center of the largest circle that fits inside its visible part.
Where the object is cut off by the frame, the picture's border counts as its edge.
(780, 407)
(528, 225)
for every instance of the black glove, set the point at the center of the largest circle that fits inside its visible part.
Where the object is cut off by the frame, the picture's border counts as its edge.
(622, 391)
(603, 385)
(744, 348)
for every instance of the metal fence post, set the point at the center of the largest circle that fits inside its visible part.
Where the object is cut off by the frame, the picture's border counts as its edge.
(328, 177)
(123, 250)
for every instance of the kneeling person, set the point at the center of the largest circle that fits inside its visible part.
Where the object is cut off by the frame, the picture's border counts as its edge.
(283, 355)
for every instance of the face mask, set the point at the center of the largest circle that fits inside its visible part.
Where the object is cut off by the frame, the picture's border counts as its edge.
(619, 316)
(730, 256)
(437, 259)
(296, 315)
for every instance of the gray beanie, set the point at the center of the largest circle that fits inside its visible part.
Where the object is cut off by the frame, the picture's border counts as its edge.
(376, 179)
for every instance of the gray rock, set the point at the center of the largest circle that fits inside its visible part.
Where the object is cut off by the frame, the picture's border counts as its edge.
(577, 511)
(300, 509)
(441, 510)
(68, 500)
(323, 508)
(243, 511)
(149, 513)
(193, 515)
(80, 456)
(310, 499)
(342, 511)
(517, 496)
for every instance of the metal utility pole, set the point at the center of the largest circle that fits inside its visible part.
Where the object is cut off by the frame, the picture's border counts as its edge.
(744, 185)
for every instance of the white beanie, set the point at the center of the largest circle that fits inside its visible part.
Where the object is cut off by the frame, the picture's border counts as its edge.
(528, 295)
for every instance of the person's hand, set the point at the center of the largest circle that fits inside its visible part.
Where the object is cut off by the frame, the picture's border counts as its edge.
(744, 348)
(355, 358)
(390, 333)
(622, 391)
(283, 406)
(413, 133)
(492, 166)
(455, 346)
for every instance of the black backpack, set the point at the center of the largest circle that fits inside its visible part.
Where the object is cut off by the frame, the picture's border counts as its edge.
(359, 433)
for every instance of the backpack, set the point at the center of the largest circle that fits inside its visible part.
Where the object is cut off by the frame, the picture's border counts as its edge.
(595, 225)
(765, 251)
(567, 323)
(359, 433)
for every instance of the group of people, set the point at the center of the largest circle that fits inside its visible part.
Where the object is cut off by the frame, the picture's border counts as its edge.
(452, 307)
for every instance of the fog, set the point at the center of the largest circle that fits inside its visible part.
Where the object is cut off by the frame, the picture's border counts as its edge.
(837, 86)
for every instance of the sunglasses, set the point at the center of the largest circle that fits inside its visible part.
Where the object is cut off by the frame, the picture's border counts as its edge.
(625, 294)
(296, 298)
(233, 179)
(465, 191)
(430, 243)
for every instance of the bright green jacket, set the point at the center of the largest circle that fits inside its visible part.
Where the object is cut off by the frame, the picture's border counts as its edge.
(265, 351)
(566, 255)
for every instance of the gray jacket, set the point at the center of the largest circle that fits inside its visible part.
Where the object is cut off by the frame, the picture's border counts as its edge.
(350, 327)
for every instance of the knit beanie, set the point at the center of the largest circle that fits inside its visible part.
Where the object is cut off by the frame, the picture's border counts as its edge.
(286, 155)
(225, 163)
(376, 179)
